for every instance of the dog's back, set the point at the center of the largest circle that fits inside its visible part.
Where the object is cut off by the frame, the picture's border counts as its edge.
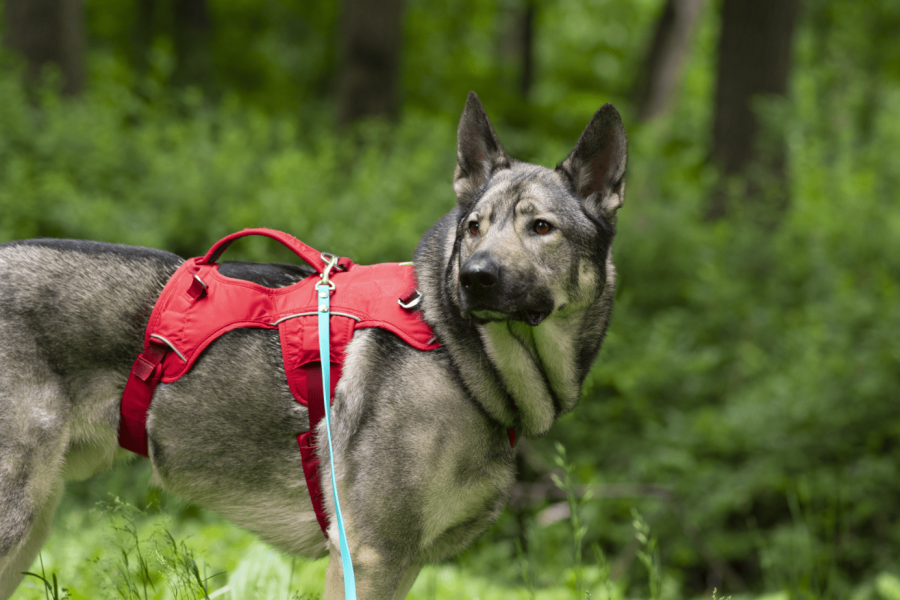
(72, 316)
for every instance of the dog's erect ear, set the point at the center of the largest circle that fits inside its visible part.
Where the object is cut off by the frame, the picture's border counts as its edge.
(596, 167)
(478, 151)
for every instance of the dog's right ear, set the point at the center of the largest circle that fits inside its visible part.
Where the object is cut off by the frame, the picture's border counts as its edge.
(478, 152)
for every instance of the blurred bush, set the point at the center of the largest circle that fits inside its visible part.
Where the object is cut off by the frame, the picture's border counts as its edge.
(178, 177)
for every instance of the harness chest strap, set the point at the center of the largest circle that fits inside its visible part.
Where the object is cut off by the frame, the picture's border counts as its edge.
(305, 381)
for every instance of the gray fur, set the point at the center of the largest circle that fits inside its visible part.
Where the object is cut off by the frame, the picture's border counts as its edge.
(422, 456)
(71, 316)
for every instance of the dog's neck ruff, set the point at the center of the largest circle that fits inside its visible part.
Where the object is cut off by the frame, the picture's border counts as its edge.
(199, 304)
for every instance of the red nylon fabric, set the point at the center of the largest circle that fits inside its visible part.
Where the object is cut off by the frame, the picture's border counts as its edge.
(369, 293)
(190, 315)
(139, 389)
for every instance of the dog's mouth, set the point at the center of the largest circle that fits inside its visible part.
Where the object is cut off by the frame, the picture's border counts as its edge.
(529, 317)
(531, 308)
(532, 317)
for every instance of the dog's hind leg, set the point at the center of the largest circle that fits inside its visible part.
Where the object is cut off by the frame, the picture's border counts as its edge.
(32, 444)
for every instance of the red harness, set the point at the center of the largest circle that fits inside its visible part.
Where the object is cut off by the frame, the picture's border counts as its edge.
(198, 304)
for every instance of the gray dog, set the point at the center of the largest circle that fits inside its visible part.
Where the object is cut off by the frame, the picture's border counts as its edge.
(517, 283)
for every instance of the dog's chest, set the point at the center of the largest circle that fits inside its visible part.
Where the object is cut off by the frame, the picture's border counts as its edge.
(453, 498)
(466, 480)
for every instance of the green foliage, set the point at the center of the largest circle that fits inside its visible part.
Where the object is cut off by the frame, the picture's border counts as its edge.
(575, 505)
(52, 591)
(278, 55)
(648, 553)
(110, 167)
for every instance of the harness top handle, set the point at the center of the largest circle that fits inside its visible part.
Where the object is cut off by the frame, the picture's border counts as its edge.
(311, 256)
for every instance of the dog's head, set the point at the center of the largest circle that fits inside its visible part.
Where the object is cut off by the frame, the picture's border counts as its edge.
(531, 241)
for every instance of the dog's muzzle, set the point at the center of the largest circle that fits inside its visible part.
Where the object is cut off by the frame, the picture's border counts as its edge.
(486, 297)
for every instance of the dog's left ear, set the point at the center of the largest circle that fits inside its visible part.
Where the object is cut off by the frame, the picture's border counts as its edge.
(478, 152)
(596, 167)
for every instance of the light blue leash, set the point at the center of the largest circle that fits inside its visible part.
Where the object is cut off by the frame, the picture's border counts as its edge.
(323, 291)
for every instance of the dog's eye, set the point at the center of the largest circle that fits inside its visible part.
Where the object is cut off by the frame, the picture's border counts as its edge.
(473, 227)
(542, 227)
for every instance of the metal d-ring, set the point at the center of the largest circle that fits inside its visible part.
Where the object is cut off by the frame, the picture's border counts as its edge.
(412, 303)
(170, 345)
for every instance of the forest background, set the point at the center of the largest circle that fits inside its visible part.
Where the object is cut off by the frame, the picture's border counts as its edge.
(740, 428)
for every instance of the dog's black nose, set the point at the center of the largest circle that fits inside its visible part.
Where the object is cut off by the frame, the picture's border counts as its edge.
(479, 274)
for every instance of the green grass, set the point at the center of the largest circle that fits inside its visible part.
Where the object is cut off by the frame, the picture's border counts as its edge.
(118, 551)
(122, 553)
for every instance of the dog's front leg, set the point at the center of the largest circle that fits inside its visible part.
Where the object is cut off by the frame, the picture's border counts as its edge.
(377, 578)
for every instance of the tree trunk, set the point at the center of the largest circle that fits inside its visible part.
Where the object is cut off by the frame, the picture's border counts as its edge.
(526, 48)
(754, 61)
(671, 44)
(370, 40)
(515, 44)
(48, 31)
(142, 35)
(192, 26)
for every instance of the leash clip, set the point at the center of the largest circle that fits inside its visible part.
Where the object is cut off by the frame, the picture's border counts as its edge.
(330, 262)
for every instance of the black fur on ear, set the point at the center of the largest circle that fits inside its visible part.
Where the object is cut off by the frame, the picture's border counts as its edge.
(478, 152)
(596, 166)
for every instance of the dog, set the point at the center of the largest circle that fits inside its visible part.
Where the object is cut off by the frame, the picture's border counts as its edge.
(517, 283)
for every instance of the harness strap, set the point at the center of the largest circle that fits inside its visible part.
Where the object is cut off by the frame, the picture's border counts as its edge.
(316, 409)
(308, 442)
(145, 375)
